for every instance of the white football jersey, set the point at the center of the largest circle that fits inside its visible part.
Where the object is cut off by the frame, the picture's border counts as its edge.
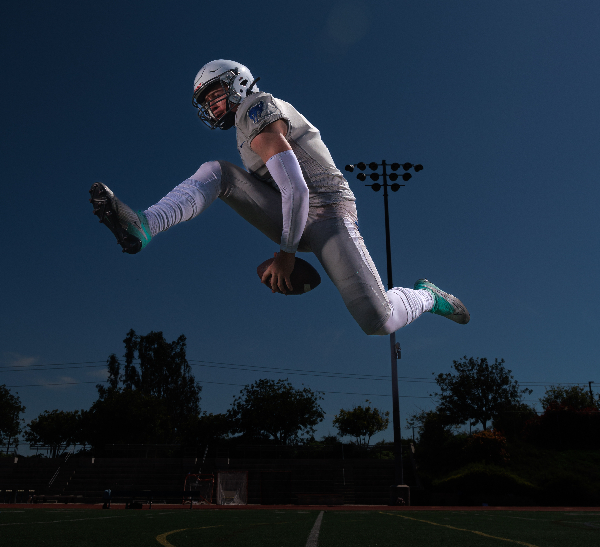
(325, 182)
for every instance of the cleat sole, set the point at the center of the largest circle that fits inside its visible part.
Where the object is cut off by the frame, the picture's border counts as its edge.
(104, 205)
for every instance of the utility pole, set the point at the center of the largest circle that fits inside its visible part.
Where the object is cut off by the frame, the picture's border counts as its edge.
(399, 492)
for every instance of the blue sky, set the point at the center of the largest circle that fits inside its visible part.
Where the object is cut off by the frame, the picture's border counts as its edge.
(498, 101)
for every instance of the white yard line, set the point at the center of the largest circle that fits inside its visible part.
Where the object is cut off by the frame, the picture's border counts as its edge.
(313, 538)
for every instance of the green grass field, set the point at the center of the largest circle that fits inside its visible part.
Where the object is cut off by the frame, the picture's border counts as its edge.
(292, 527)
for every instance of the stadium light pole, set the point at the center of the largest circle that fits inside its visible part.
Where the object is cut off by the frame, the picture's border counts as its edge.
(399, 488)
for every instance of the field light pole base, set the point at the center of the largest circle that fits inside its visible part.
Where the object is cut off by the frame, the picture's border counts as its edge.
(399, 492)
(400, 495)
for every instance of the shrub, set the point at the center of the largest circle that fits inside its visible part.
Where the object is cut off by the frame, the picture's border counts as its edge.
(512, 420)
(566, 488)
(485, 481)
(488, 446)
(441, 458)
(563, 428)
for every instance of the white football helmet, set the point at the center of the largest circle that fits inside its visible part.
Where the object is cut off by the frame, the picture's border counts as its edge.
(235, 80)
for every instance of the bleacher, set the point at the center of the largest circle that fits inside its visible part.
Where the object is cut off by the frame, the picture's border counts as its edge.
(331, 481)
(22, 479)
(128, 475)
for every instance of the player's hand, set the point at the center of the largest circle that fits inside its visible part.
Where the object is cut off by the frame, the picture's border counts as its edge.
(277, 275)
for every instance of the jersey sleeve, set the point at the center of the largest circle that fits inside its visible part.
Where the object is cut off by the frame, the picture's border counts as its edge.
(255, 113)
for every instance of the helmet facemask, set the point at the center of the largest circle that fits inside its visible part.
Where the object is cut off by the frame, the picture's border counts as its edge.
(236, 83)
(232, 99)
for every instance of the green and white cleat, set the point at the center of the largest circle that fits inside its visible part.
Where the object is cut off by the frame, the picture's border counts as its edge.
(444, 304)
(131, 229)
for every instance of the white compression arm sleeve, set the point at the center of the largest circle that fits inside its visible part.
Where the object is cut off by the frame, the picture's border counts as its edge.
(286, 173)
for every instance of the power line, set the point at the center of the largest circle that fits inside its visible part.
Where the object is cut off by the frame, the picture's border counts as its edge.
(57, 384)
(228, 366)
(227, 384)
(28, 367)
(252, 368)
(376, 394)
(303, 372)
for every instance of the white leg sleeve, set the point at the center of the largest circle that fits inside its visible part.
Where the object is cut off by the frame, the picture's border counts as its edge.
(407, 305)
(186, 200)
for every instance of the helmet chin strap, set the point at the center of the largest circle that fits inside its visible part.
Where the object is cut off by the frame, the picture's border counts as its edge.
(249, 91)
(227, 120)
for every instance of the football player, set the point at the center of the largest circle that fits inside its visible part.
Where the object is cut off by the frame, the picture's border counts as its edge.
(291, 191)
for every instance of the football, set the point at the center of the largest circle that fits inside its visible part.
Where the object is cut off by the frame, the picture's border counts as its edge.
(304, 278)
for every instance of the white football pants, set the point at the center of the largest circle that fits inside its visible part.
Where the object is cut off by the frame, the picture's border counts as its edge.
(331, 233)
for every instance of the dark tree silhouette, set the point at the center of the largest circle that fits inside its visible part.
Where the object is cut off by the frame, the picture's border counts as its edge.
(478, 391)
(154, 394)
(10, 417)
(361, 422)
(513, 419)
(57, 429)
(570, 398)
(207, 428)
(127, 416)
(270, 409)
